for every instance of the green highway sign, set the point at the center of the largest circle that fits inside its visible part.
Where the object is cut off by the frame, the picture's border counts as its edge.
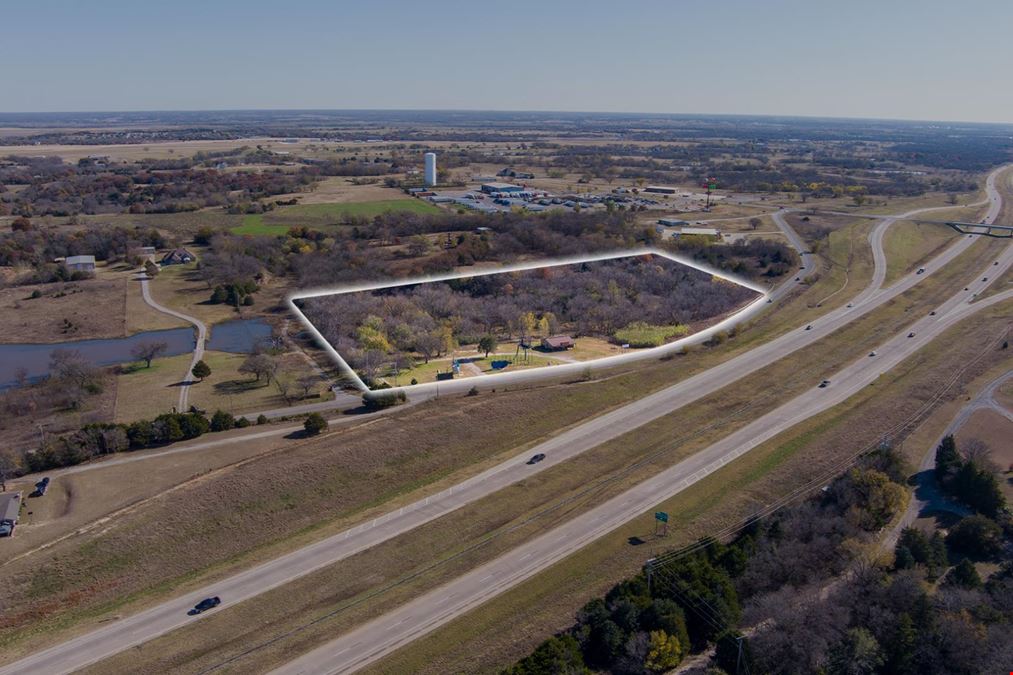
(661, 516)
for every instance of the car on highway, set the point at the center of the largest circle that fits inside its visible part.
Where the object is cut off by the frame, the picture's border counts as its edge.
(824, 384)
(809, 327)
(537, 458)
(932, 313)
(921, 270)
(910, 335)
(204, 605)
(873, 353)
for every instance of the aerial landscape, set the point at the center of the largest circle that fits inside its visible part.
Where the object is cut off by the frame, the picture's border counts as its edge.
(432, 339)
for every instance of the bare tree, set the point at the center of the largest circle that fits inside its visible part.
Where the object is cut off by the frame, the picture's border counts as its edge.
(308, 383)
(259, 365)
(147, 351)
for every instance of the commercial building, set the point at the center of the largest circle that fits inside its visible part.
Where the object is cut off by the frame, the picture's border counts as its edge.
(672, 222)
(675, 231)
(430, 169)
(661, 189)
(493, 188)
(80, 263)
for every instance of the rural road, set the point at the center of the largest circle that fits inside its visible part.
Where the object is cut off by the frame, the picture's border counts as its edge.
(400, 626)
(927, 497)
(124, 633)
(198, 350)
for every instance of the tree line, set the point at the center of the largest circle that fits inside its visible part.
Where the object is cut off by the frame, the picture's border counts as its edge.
(804, 591)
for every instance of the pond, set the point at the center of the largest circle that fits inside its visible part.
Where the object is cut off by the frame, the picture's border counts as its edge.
(241, 336)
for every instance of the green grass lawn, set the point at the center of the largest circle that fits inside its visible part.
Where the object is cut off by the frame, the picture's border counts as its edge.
(279, 221)
(642, 334)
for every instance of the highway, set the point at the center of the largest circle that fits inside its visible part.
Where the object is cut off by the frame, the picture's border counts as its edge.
(410, 621)
(118, 635)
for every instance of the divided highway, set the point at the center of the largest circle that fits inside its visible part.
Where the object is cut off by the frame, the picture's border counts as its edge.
(381, 636)
(528, 559)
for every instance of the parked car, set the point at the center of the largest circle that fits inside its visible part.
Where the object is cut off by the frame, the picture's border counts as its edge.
(6, 528)
(204, 605)
(41, 487)
(537, 458)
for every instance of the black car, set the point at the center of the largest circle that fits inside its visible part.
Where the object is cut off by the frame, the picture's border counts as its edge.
(824, 384)
(205, 604)
(537, 458)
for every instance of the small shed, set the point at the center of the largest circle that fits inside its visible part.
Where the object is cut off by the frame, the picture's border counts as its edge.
(556, 343)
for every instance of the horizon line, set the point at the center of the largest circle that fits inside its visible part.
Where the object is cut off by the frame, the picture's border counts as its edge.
(507, 110)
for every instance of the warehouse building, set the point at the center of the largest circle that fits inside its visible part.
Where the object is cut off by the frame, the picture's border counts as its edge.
(493, 188)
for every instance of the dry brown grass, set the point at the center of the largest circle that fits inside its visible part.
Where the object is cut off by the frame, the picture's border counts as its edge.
(790, 460)
(510, 626)
(363, 573)
(286, 500)
(94, 308)
(993, 430)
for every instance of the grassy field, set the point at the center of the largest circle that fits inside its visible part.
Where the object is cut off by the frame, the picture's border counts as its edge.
(64, 311)
(908, 244)
(648, 335)
(419, 451)
(279, 221)
(143, 393)
(459, 541)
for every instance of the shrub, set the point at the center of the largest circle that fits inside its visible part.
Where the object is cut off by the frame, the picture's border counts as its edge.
(261, 419)
(375, 401)
(976, 536)
(222, 421)
(314, 424)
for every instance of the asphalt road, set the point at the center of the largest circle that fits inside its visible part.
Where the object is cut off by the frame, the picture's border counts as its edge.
(198, 351)
(927, 496)
(408, 622)
(118, 635)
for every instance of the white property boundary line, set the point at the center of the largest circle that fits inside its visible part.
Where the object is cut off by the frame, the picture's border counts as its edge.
(488, 381)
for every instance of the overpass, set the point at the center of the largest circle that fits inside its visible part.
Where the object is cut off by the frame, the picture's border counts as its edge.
(990, 230)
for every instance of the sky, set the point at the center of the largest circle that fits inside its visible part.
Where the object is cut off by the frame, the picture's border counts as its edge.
(905, 59)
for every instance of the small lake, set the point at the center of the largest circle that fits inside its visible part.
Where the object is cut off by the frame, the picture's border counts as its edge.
(241, 336)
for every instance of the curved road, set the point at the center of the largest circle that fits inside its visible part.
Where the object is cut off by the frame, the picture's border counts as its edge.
(927, 497)
(162, 618)
(198, 350)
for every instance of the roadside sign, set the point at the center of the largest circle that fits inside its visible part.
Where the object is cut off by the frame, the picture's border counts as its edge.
(661, 516)
(626, 346)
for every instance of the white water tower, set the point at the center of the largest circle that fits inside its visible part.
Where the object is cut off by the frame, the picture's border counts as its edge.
(430, 173)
